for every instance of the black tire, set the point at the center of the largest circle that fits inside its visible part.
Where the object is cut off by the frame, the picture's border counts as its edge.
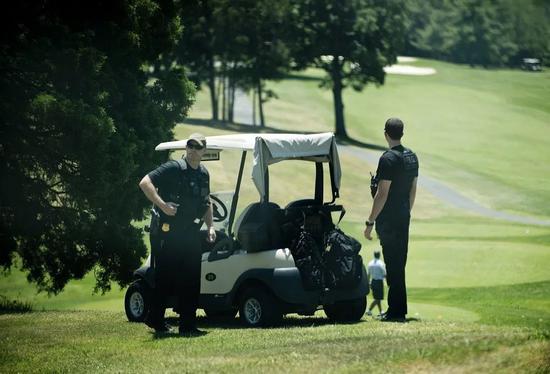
(220, 315)
(137, 301)
(259, 308)
(346, 310)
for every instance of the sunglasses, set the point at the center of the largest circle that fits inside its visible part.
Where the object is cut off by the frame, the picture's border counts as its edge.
(195, 146)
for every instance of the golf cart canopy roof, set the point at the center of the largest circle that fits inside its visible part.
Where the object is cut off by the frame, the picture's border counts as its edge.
(272, 148)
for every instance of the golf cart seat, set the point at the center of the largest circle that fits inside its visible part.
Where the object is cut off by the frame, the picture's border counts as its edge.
(257, 227)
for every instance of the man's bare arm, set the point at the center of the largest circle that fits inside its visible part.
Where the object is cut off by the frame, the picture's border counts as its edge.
(379, 199)
(377, 205)
(209, 220)
(412, 194)
(151, 193)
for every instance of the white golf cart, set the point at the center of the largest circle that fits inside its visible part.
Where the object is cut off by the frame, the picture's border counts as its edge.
(251, 269)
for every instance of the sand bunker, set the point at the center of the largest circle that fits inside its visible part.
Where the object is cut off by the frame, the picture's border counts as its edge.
(406, 59)
(409, 70)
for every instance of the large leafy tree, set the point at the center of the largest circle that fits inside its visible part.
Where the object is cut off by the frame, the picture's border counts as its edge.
(486, 33)
(351, 40)
(199, 48)
(79, 117)
(483, 33)
(256, 49)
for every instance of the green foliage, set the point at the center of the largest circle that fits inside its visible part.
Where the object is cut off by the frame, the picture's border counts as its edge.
(78, 129)
(350, 40)
(486, 33)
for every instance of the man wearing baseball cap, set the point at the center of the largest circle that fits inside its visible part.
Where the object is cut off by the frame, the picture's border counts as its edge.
(180, 192)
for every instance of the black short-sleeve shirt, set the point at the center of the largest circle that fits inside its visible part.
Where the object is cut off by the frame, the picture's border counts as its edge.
(400, 166)
(188, 187)
(165, 178)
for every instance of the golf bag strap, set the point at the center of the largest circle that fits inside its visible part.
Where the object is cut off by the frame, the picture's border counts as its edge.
(342, 214)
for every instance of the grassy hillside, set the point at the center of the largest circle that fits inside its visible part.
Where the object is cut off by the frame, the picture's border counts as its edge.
(482, 131)
(480, 288)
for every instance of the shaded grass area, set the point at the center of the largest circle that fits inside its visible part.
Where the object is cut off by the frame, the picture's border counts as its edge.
(8, 305)
(96, 341)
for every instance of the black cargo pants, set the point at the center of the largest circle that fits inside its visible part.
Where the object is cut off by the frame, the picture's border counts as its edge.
(394, 239)
(177, 258)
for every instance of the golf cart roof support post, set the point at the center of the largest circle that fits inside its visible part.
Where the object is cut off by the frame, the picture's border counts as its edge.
(333, 186)
(236, 195)
(319, 183)
(265, 198)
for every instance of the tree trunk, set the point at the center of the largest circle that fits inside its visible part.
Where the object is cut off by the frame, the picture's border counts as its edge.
(231, 100)
(254, 107)
(260, 103)
(218, 93)
(212, 88)
(336, 73)
(227, 96)
(224, 103)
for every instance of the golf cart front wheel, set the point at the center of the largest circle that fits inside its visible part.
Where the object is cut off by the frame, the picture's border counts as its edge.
(346, 310)
(259, 308)
(136, 301)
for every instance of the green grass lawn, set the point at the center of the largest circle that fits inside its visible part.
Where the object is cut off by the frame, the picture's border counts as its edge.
(479, 288)
(482, 131)
(83, 341)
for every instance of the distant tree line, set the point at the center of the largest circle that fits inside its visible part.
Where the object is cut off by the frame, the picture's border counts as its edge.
(482, 33)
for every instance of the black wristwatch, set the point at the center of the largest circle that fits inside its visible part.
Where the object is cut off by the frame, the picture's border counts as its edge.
(369, 224)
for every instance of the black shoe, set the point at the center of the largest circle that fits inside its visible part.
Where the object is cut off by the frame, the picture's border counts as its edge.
(392, 318)
(191, 331)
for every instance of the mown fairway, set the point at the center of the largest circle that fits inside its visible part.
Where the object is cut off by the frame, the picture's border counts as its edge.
(479, 288)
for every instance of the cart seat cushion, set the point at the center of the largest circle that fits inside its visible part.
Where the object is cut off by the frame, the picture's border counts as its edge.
(258, 228)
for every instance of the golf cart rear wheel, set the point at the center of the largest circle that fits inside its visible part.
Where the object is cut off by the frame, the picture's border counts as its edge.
(259, 308)
(137, 301)
(346, 310)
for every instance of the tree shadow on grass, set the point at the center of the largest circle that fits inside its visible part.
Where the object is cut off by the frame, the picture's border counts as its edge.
(361, 144)
(8, 306)
(246, 128)
(303, 77)
(238, 127)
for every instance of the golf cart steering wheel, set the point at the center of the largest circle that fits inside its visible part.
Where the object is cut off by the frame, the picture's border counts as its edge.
(217, 207)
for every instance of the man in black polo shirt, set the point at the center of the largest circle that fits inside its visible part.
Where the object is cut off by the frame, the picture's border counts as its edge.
(180, 191)
(396, 175)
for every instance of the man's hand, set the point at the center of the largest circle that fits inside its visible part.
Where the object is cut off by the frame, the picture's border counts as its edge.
(169, 208)
(368, 231)
(211, 235)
